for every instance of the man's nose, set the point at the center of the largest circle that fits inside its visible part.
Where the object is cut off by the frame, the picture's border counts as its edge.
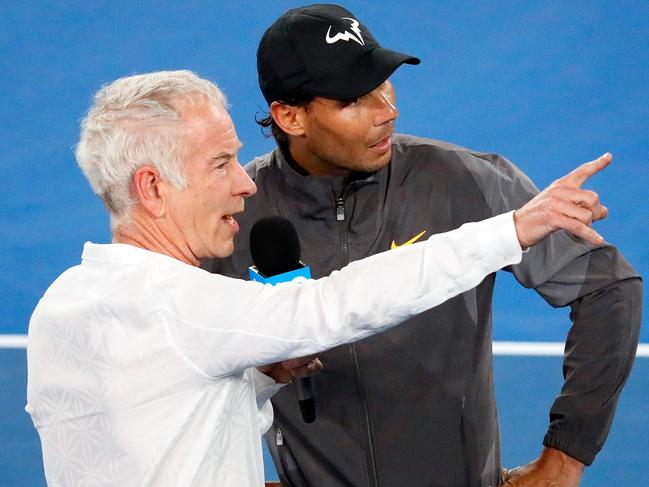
(386, 106)
(243, 185)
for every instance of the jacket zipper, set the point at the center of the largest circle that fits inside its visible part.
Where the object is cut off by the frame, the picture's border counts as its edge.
(372, 471)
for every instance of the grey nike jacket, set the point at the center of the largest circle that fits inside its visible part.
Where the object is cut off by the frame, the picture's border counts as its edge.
(415, 406)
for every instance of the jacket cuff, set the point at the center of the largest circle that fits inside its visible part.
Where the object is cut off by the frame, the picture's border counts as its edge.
(560, 441)
(265, 386)
(498, 241)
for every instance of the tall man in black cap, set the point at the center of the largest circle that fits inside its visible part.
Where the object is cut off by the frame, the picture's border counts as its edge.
(415, 406)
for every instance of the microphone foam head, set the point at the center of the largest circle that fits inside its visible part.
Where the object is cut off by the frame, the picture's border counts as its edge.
(274, 246)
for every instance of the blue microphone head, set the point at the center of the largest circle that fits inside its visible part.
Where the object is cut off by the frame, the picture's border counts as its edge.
(274, 246)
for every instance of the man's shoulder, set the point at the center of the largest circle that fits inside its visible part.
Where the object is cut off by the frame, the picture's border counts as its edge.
(405, 143)
(451, 158)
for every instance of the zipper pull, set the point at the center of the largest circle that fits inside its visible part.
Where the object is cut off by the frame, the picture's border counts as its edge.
(340, 209)
(279, 437)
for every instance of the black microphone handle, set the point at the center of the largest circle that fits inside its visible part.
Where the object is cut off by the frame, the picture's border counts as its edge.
(305, 397)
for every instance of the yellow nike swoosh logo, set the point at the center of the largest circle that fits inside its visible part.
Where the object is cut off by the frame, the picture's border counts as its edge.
(409, 242)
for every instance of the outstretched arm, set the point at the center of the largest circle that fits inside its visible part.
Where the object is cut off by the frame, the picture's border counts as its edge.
(605, 296)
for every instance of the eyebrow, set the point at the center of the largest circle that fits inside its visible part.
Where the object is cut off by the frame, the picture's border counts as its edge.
(226, 155)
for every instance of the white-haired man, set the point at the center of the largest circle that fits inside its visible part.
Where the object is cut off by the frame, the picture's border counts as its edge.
(145, 370)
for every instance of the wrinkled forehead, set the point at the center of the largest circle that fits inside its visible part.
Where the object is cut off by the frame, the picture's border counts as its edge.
(206, 124)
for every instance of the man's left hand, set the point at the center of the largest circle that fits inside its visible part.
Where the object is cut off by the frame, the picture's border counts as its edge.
(552, 469)
(284, 372)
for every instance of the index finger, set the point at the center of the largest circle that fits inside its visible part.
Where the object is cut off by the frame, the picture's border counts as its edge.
(577, 177)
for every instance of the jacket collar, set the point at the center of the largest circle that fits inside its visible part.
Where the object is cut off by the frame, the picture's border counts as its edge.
(322, 186)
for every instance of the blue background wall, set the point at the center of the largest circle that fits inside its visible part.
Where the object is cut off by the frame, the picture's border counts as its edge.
(549, 84)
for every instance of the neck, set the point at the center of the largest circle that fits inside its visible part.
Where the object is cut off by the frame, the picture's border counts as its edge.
(149, 234)
(299, 158)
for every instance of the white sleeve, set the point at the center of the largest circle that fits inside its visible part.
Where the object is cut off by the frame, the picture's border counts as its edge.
(265, 387)
(225, 325)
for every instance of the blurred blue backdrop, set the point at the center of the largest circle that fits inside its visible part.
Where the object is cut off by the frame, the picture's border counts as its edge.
(547, 84)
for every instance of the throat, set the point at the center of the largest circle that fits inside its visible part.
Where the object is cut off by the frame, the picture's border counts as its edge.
(306, 164)
(153, 238)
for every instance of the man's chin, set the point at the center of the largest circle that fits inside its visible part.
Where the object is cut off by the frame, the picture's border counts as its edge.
(379, 162)
(221, 251)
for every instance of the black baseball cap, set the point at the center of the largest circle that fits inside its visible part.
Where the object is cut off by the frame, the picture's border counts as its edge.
(322, 50)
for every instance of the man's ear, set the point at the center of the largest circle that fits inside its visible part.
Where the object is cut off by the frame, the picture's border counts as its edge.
(146, 185)
(289, 118)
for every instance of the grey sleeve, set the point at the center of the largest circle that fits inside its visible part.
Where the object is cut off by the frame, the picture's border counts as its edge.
(605, 297)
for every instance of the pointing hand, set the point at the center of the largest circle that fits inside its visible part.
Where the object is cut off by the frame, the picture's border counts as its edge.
(564, 205)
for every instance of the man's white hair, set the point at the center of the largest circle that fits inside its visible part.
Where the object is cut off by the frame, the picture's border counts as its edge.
(134, 121)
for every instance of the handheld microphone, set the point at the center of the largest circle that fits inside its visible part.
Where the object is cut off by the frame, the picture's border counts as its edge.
(275, 251)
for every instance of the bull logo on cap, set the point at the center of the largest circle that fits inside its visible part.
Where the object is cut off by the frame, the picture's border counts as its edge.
(346, 36)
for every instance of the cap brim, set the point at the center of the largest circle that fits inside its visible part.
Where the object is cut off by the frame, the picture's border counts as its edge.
(367, 72)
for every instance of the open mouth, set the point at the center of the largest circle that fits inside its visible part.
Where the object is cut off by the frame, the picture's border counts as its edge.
(230, 222)
(383, 144)
(229, 219)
